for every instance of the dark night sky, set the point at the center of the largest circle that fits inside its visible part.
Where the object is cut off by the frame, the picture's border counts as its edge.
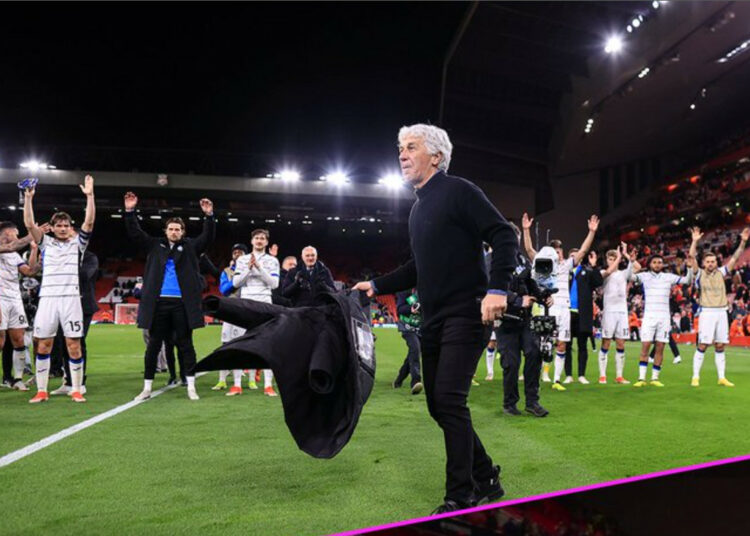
(326, 81)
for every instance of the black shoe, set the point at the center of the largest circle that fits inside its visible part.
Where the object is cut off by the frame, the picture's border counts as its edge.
(172, 381)
(490, 490)
(397, 383)
(511, 410)
(449, 506)
(417, 388)
(183, 382)
(537, 411)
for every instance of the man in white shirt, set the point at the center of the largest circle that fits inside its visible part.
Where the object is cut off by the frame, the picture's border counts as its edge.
(657, 322)
(713, 323)
(256, 275)
(13, 319)
(60, 295)
(561, 306)
(615, 311)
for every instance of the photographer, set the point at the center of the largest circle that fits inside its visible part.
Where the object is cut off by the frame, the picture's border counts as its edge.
(514, 335)
(303, 283)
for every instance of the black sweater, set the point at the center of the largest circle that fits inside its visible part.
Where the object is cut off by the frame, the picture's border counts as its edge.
(447, 225)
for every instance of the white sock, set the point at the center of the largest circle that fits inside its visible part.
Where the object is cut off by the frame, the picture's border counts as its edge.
(251, 375)
(698, 363)
(42, 372)
(76, 374)
(620, 363)
(721, 364)
(602, 363)
(267, 378)
(655, 370)
(147, 385)
(237, 373)
(191, 382)
(19, 361)
(489, 359)
(642, 370)
(223, 376)
(559, 365)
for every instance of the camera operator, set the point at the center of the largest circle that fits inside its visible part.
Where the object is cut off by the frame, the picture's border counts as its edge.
(514, 335)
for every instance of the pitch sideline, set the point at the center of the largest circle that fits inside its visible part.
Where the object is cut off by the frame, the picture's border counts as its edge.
(67, 432)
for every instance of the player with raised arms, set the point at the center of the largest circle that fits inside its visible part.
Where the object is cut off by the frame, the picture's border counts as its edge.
(60, 294)
(713, 327)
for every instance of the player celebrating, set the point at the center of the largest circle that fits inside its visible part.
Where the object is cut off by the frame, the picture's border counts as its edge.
(561, 306)
(615, 311)
(228, 331)
(713, 327)
(256, 275)
(657, 322)
(60, 295)
(13, 320)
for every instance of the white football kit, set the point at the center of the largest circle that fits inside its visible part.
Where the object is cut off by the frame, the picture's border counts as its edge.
(615, 305)
(561, 300)
(60, 293)
(11, 303)
(657, 288)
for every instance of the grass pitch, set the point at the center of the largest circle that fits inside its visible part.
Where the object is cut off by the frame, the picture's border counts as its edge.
(229, 465)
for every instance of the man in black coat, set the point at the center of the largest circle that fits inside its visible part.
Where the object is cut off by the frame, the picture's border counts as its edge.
(303, 283)
(172, 288)
(447, 225)
(585, 278)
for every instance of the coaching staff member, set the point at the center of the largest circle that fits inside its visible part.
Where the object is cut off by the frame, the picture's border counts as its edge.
(303, 283)
(515, 335)
(171, 296)
(448, 222)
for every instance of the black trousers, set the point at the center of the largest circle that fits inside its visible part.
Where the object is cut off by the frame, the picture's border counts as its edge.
(510, 342)
(411, 363)
(582, 339)
(451, 350)
(170, 322)
(8, 359)
(672, 346)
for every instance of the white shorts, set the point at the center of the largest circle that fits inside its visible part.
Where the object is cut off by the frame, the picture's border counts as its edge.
(13, 315)
(229, 332)
(59, 311)
(562, 319)
(713, 326)
(656, 328)
(615, 325)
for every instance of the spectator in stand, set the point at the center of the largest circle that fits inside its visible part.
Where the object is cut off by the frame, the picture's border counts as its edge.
(685, 323)
(303, 283)
(287, 264)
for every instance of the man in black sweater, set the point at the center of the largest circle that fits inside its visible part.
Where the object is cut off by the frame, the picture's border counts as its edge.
(448, 222)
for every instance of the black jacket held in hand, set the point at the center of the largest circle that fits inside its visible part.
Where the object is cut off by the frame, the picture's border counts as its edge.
(587, 280)
(185, 254)
(323, 358)
(301, 286)
(448, 222)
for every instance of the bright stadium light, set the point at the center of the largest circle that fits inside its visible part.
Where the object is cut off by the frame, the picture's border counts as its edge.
(289, 175)
(644, 72)
(636, 23)
(392, 181)
(338, 178)
(613, 45)
(35, 165)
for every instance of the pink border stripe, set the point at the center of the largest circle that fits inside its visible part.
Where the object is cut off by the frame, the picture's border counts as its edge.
(512, 502)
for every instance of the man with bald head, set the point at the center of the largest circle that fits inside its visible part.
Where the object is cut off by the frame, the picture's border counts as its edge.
(304, 281)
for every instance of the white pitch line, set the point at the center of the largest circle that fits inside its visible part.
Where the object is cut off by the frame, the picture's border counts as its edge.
(67, 432)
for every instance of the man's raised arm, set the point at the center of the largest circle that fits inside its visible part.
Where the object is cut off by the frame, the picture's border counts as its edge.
(135, 233)
(527, 243)
(88, 190)
(588, 241)
(208, 233)
(743, 243)
(28, 216)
